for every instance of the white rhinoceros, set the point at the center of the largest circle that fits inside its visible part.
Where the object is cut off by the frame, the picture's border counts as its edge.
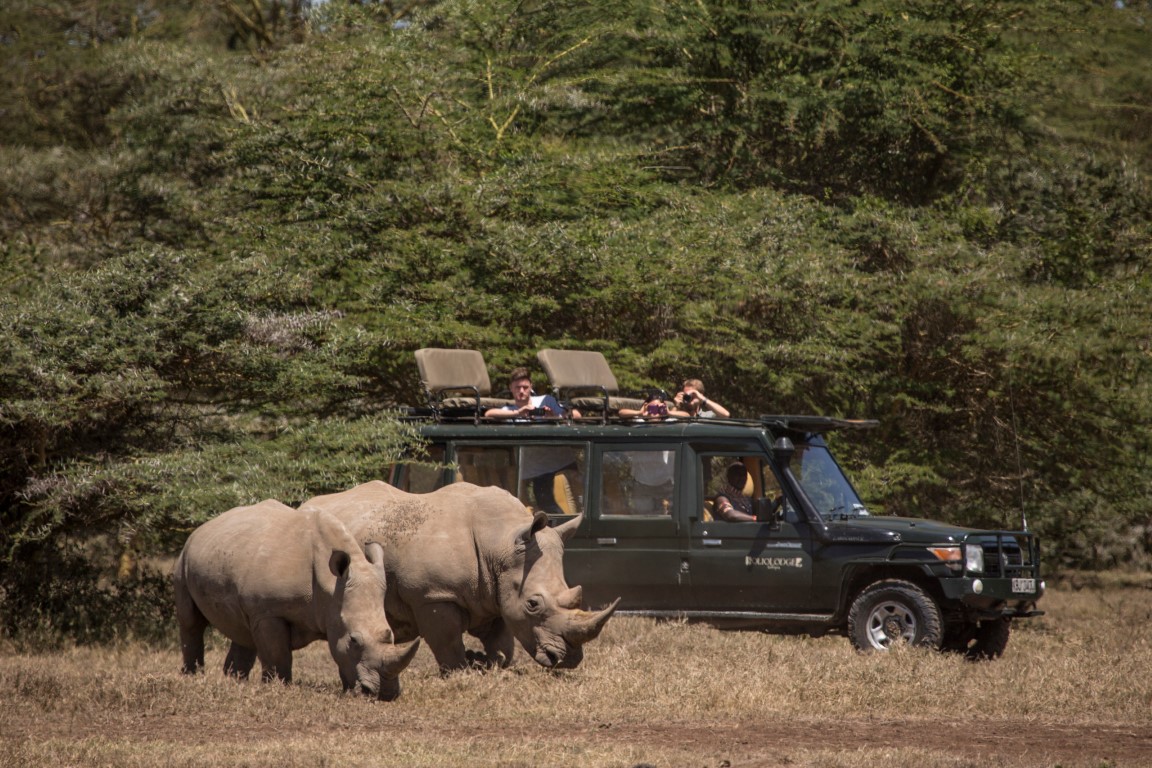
(471, 559)
(273, 579)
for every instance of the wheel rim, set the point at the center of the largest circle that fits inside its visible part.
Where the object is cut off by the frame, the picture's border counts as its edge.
(891, 622)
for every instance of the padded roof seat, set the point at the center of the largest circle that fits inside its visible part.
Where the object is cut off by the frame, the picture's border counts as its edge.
(456, 381)
(584, 379)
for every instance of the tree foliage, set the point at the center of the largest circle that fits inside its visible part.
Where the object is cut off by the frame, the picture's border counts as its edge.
(218, 260)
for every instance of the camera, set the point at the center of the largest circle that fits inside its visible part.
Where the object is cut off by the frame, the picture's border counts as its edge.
(538, 412)
(656, 409)
(688, 397)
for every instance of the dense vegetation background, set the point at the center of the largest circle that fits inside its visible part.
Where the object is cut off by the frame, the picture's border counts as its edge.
(225, 227)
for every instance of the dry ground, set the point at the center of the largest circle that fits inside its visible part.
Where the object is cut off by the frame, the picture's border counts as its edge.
(1074, 690)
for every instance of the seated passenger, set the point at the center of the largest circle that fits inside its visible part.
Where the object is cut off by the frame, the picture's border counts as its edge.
(527, 406)
(691, 399)
(731, 504)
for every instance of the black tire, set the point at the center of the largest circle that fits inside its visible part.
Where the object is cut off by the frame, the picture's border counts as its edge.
(986, 641)
(894, 611)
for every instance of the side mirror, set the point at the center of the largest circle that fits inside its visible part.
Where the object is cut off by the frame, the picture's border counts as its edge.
(782, 451)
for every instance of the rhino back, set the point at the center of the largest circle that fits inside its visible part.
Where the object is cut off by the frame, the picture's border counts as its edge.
(251, 563)
(444, 546)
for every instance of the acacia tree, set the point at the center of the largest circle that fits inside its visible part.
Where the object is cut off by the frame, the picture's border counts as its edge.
(213, 291)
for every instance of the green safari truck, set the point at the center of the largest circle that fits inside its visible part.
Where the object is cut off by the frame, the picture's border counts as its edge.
(813, 560)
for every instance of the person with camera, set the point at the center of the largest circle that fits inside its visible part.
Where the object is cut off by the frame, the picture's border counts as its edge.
(525, 405)
(655, 408)
(540, 464)
(693, 402)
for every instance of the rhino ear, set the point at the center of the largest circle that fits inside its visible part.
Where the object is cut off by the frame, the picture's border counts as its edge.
(339, 563)
(525, 534)
(375, 554)
(568, 529)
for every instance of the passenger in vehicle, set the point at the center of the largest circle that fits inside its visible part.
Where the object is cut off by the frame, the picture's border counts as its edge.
(526, 405)
(655, 408)
(731, 504)
(691, 399)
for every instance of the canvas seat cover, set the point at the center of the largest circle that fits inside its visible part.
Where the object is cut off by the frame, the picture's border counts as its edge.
(584, 379)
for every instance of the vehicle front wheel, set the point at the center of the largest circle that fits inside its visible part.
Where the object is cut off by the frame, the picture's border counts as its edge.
(891, 612)
(978, 642)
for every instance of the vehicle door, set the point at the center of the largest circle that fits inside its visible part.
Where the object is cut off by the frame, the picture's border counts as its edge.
(747, 566)
(635, 538)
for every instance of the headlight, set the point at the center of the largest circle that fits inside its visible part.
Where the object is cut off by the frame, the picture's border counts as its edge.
(949, 555)
(974, 558)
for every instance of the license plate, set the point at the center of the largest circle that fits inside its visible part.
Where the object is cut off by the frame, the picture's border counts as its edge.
(1024, 585)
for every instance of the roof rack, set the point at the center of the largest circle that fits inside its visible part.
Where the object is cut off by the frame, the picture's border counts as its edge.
(807, 423)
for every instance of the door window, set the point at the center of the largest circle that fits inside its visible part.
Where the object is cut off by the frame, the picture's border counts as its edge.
(544, 477)
(552, 478)
(759, 482)
(422, 476)
(638, 483)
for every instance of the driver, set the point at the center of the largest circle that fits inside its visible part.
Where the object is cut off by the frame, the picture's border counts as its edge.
(731, 503)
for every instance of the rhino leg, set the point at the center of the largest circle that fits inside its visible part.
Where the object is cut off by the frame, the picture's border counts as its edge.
(192, 625)
(239, 661)
(499, 645)
(442, 626)
(274, 649)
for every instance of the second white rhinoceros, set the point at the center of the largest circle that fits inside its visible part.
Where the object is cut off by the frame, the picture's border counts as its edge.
(471, 559)
(273, 579)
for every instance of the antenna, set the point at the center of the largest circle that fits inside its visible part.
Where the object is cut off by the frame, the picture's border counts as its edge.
(1019, 463)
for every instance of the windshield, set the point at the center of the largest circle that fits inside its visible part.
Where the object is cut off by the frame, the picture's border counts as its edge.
(824, 483)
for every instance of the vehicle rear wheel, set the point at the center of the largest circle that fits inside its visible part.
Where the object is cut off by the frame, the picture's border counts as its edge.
(892, 612)
(980, 641)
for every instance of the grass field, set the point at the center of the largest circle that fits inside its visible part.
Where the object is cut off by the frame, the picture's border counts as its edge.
(1074, 689)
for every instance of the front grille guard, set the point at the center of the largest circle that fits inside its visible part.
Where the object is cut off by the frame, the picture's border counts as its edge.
(1007, 554)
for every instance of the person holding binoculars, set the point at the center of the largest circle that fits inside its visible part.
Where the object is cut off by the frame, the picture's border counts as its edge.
(692, 400)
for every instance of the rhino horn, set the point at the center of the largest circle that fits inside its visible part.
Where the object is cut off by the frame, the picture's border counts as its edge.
(571, 598)
(399, 658)
(587, 625)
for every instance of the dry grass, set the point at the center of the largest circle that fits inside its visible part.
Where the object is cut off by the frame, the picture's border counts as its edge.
(1073, 690)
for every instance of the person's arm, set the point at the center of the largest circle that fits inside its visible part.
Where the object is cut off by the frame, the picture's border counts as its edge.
(507, 413)
(715, 407)
(724, 510)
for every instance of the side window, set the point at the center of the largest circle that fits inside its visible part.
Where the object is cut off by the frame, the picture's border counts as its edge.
(638, 483)
(759, 481)
(487, 465)
(552, 478)
(422, 476)
(543, 477)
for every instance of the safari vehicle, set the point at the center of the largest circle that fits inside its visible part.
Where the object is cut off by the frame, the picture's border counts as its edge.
(814, 560)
